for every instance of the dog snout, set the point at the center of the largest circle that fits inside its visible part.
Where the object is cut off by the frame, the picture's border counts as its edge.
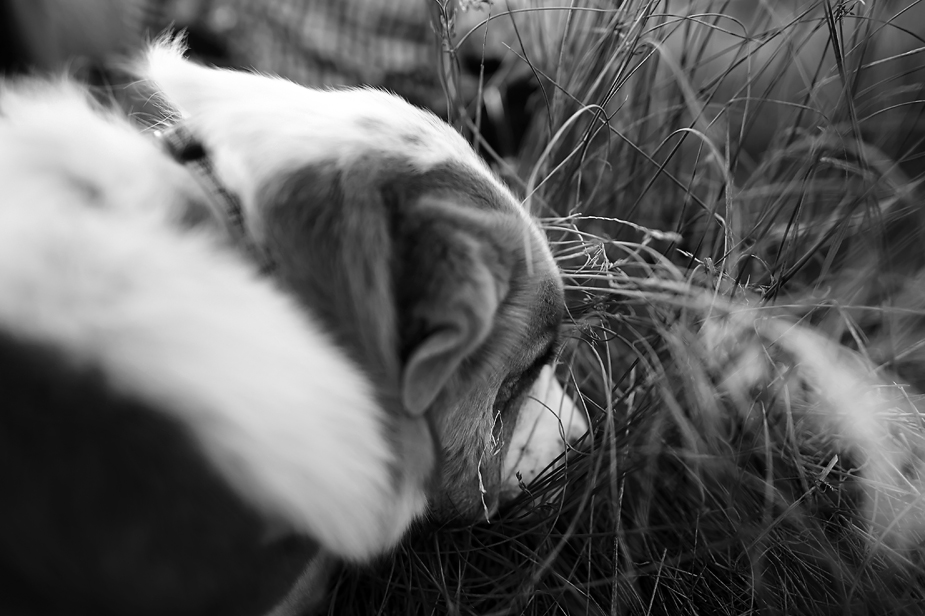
(548, 423)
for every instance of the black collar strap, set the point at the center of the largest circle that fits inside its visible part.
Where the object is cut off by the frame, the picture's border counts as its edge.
(190, 152)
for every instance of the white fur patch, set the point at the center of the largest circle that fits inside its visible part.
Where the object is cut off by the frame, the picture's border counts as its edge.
(259, 127)
(283, 415)
(548, 422)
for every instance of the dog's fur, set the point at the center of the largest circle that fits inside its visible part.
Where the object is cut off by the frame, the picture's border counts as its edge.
(182, 435)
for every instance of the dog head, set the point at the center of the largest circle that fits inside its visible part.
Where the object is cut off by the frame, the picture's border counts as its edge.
(387, 227)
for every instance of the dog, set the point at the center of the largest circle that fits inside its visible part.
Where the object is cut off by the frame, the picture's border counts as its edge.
(260, 341)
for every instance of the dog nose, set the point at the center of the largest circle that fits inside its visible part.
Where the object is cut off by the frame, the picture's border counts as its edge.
(549, 421)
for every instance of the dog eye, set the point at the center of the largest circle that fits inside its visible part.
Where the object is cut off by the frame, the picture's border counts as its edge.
(503, 397)
(516, 386)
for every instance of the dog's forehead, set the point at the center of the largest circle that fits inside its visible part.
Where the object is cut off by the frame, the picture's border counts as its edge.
(259, 129)
(269, 127)
(402, 187)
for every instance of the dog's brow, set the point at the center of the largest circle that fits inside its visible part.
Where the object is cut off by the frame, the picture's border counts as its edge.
(547, 351)
(547, 327)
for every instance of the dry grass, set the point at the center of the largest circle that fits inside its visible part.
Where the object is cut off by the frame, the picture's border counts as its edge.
(735, 205)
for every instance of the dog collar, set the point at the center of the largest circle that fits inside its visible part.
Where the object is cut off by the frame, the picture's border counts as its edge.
(184, 148)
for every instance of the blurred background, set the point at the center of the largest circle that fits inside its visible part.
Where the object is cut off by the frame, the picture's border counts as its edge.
(399, 45)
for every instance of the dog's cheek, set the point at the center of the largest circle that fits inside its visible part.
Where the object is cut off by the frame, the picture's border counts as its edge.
(472, 451)
(548, 422)
(469, 489)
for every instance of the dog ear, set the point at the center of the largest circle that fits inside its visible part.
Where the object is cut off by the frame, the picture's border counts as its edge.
(454, 275)
(457, 321)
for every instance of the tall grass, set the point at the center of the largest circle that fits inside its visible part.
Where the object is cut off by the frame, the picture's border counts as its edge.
(733, 196)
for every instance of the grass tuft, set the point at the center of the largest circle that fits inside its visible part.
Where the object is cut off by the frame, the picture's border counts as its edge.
(732, 192)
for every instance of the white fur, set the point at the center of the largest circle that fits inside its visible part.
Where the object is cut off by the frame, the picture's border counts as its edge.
(259, 127)
(281, 413)
(548, 422)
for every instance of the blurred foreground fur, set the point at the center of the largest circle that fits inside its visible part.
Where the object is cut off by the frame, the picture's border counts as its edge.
(736, 203)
